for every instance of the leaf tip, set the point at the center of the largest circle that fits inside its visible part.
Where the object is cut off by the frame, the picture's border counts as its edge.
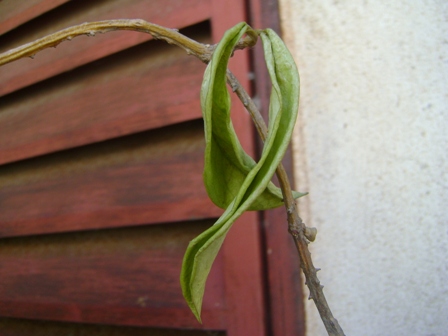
(198, 317)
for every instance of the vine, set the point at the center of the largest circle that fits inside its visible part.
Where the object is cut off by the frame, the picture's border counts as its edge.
(249, 186)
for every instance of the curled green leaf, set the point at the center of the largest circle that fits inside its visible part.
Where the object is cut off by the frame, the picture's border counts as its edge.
(226, 163)
(232, 178)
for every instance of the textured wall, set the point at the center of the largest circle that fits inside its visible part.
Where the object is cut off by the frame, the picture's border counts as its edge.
(371, 147)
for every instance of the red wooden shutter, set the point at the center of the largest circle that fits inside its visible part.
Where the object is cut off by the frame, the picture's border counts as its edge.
(284, 292)
(101, 158)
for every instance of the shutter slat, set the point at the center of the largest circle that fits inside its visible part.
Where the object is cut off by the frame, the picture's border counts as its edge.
(15, 12)
(123, 276)
(83, 49)
(153, 177)
(136, 90)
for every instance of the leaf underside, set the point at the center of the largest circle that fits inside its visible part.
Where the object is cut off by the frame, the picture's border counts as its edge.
(234, 181)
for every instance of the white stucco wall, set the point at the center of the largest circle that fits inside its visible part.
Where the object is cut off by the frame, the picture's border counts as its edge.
(371, 147)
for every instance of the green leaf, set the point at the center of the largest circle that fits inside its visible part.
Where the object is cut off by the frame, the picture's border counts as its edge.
(226, 162)
(233, 180)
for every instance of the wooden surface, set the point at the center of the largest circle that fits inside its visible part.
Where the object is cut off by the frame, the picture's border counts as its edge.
(15, 12)
(123, 276)
(90, 104)
(21, 327)
(84, 49)
(284, 283)
(151, 177)
(101, 159)
(243, 243)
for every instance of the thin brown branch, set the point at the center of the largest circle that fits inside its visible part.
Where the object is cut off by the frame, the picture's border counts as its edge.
(301, 234)
(172, 36)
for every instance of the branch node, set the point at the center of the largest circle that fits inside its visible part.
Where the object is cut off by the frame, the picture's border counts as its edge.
(310, 233)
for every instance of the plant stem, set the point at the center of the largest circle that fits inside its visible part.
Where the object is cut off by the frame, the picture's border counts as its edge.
(300, 233)
(172, 36)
